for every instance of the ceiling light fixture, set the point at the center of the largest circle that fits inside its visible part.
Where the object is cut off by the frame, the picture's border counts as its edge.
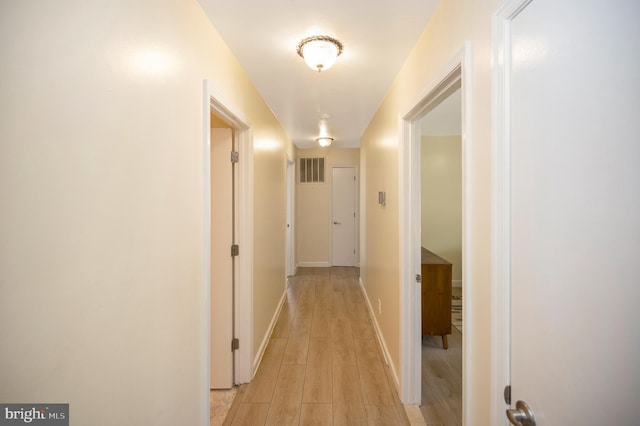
(319, 52)
(324, 141)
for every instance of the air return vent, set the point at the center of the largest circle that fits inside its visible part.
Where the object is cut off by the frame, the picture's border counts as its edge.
(312, 170)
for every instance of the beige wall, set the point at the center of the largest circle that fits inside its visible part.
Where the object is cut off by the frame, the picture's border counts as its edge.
(271, 149)
(441, 198)
(102, 199)
(313, 207)
(454, 22)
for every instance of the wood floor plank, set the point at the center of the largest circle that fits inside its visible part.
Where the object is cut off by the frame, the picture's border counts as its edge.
(348, 403)
(357, 311)
(324, 290)
(261, 387)
(298, 342)
(318, 380)
(342, 342)
(250, 414)
(367, 350)
(316, 415)
(375, 388)
(308, 291)
(363, 329)
(304, 310)
(287, 399)
(321, 322)
(339, 304)
(285, 321)
(383, 415)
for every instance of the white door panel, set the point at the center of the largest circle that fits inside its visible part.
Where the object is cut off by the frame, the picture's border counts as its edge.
(290, 232)
(221, 261)
(575, 211)
(343, 206)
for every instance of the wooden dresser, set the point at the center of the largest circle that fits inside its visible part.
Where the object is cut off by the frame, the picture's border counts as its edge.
(436, 296)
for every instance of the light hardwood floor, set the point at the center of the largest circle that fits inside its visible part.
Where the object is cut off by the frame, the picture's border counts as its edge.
(322, 365)
(442, 380)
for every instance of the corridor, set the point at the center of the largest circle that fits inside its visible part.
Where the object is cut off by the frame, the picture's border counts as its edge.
(323, 364)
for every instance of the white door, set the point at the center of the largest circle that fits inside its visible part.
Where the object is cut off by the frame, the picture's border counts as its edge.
(575, 210)
(290, 234)
(343, 216)
(221, 261)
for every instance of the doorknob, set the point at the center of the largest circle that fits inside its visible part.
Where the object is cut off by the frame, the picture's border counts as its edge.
(336, 223)
(522, 415)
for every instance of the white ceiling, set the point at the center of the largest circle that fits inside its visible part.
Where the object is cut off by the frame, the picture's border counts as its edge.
(377, 36)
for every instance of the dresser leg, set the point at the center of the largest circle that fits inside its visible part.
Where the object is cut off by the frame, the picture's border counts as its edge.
(444, 341)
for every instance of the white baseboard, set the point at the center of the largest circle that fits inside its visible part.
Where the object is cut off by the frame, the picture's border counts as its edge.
(267, 336)
(456, 283)
(380, 338)
(313, 265)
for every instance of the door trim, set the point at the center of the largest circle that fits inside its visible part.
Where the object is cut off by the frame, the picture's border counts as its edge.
(501, 207)
(455, 74)
(243, 295)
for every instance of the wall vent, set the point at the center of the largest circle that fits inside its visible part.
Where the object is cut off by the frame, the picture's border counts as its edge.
(312, 170)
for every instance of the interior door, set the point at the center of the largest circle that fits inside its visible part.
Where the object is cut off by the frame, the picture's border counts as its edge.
(221, 260)
(343, 214)
(290, 233)
(575, 211)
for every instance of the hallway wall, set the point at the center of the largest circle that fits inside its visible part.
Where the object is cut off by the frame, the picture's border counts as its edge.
(441, 199)
(101, 222)
(454, 22)
(313, 207)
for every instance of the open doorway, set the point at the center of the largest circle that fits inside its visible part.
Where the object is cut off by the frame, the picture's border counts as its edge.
(454, 77)
(441, 243)
(227, 279)
(222, 278)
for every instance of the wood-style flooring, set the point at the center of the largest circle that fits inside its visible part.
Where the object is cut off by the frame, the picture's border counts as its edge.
(323, 365)
(442, 380)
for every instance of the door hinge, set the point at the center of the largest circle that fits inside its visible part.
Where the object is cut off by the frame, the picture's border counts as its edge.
(507, 394)
(235, 250)
(418, 278)
(235, 344)
(235, 156)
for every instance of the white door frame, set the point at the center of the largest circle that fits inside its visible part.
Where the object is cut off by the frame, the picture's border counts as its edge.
(500, 207)
(244, 236)
(454, 75)
(501, 202)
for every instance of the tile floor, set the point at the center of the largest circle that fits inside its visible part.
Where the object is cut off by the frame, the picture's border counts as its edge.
(220, 402)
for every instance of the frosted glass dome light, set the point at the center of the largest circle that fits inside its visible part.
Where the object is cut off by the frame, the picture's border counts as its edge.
(319, 52)
(324, 141)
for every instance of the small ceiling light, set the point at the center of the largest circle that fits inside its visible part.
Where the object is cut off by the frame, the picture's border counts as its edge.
(324, 141)
(319, 52)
